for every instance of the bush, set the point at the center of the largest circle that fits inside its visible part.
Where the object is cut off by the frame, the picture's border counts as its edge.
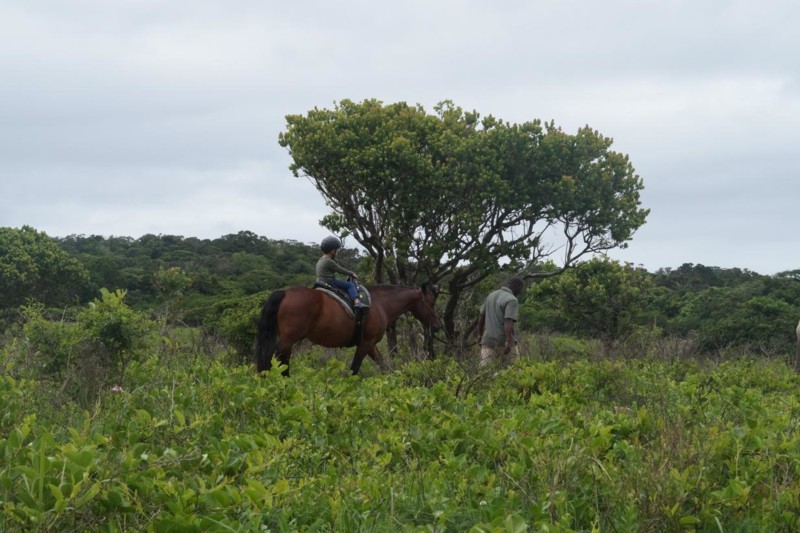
(114, 328)
(608, 445)
(54, 342)
(85, 354)
(234, 321)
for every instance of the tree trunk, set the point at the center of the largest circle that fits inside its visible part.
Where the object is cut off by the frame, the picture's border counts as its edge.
(450, 308)
(379, 267)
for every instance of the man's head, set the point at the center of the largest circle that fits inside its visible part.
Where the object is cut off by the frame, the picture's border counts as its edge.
(516, 284)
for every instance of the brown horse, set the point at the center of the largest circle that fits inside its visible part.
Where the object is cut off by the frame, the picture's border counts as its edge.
(298, 313)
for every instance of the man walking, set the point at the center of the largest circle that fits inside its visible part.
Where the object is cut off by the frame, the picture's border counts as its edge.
(496, 323)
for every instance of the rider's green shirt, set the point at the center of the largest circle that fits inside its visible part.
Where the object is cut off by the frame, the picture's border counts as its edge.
(328, 268)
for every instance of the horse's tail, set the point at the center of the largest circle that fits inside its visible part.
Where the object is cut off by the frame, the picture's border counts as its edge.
(267, 336)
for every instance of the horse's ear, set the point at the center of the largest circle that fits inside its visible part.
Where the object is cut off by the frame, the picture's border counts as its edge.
(433, 288)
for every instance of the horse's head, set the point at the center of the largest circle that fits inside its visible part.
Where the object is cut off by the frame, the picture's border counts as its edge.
(425, 308)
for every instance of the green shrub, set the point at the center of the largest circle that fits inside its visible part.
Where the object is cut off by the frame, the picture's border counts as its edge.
(115, 330)
(233, 320)
(171, 284)
(561, 347)
(87, 353)
(54, 342)
(562, 445)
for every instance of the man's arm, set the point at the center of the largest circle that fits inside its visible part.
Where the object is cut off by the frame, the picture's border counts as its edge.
(481, 325)
(508, 329)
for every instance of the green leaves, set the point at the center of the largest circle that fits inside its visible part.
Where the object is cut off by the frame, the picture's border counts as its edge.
(448, 196)
(600, 298)
(111, 323)
(603, 445)
(33, 266)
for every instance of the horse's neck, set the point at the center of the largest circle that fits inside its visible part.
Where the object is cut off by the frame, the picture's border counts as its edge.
(393, 300)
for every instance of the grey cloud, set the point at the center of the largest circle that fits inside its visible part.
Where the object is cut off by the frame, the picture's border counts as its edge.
(153, 117)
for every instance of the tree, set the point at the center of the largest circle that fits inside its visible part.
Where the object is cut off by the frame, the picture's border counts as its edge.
(749, 314)
(32, 266)
(690, 277)
(450, 196)
(171, 284)
(600, 298)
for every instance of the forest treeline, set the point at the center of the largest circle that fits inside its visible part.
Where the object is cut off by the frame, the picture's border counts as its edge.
(218, 284)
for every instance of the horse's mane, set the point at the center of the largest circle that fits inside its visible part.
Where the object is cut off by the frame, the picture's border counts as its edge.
(390, 286)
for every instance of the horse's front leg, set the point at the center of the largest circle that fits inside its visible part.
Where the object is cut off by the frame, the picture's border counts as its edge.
(358, 358)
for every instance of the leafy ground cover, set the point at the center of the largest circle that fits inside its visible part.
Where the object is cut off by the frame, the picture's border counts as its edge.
(610, 445)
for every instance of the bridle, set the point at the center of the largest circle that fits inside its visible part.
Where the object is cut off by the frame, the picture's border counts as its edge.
(428, 306)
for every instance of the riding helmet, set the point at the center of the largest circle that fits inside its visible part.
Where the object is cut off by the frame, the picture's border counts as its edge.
(330, 243)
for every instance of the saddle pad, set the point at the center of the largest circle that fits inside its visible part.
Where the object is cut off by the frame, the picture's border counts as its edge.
(344, 303)
(339, 299)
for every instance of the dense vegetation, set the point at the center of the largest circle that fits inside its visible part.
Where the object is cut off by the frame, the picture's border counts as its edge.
(218, 285)
(642, 401)
(712, 308)
(554, 442)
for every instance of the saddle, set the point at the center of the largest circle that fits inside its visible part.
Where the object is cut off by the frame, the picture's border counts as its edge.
(344, 300)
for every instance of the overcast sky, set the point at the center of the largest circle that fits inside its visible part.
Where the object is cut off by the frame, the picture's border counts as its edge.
(136, 116)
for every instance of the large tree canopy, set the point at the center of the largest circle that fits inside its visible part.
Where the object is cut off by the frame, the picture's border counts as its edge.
(33, 266)
(451, 197)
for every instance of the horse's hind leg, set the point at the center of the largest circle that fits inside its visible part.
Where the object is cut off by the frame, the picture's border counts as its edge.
(378, 359)
(373, 352)
(284, 353)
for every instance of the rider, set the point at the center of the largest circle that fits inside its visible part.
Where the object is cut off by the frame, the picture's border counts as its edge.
(327, 268)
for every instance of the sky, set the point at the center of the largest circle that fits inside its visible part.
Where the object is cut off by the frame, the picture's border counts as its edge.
(136, 116)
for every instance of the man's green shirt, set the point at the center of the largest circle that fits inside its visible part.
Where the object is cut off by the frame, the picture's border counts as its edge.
(498, 306)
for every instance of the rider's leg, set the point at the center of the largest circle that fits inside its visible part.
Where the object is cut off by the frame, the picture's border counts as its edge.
(350, 288)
